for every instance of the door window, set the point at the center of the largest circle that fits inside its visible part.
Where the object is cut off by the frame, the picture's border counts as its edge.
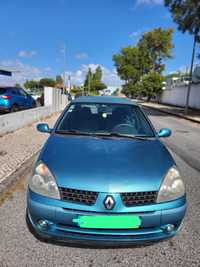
(22, 92)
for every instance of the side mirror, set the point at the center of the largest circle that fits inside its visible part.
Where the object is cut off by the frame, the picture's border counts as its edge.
(43, 128)
(165, 132)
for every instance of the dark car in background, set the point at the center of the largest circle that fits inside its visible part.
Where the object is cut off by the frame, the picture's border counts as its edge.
(13, 99)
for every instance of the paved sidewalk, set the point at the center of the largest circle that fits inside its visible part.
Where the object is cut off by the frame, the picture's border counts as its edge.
(193, 115)
(17, 147)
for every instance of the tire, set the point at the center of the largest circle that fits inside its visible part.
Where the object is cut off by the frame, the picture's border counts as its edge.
(14, 108)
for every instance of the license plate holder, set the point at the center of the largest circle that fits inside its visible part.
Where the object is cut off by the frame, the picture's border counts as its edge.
(108, 221)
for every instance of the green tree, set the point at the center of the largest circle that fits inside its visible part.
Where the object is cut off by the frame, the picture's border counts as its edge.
(47, 82)
(31, 84)
(132, 89)
(157, 45)
(133, 63)
(76, 89)
(186, 13)
(87, 83)
(17, 85)
(151, 84)
(59, 79)
(97, 84)
(98, 74)
(93, 82)
(130, 64)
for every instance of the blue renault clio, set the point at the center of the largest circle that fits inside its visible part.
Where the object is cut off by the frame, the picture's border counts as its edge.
(104, 177)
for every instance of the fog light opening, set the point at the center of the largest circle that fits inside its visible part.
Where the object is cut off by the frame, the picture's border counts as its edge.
(42, 224)
(169, 228)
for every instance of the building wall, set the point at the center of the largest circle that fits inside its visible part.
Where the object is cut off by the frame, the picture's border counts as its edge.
(177, 96)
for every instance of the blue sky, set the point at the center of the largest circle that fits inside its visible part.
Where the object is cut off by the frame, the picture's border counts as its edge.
(33, 33)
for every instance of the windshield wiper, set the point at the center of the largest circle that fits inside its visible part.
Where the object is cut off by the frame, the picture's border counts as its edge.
(114, 134)
(72, 132)
(111, 134)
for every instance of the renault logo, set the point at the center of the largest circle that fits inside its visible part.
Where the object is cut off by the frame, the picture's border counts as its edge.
(109, 202)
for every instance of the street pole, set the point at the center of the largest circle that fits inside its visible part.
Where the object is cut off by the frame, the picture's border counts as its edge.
(88, 84)
(191, 73)
(64, 75)
(69, 83)
(82, 89)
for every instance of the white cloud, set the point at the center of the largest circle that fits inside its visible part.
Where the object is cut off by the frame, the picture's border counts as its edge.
(22, 72)
(25, 53)
(135, 34)
(144, 2)
(110, 77)
(48, 69)
(81, 56)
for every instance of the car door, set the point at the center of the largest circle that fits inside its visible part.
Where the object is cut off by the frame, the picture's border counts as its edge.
(30, 101)
(18, 99)
(24, 98)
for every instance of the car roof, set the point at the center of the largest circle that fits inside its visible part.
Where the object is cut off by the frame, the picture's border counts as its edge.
(104, 100)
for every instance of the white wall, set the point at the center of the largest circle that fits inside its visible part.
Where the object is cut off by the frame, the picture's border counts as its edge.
(177, 96)
(54, 97)
(13, 121)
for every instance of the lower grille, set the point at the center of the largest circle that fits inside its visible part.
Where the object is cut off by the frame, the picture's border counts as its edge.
(139, 198)
(78, 196)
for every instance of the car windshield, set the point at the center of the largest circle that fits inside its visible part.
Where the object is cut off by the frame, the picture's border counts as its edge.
(105, 119)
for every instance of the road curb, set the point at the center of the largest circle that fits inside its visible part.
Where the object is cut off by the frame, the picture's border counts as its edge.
(172, 113)
(14, 176)
(10, 177)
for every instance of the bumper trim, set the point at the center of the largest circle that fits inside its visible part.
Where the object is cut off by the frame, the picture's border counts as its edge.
(63, 228)
(87, 241)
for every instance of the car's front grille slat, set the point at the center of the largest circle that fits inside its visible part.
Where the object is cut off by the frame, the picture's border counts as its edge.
(139, 198)
(78, 196)
(129, 199)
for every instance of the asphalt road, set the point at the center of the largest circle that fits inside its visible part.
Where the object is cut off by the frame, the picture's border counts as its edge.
(185, 140)
(19, 248)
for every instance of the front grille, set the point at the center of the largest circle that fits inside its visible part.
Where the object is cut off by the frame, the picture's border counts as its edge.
(78, 196)
(139, 198)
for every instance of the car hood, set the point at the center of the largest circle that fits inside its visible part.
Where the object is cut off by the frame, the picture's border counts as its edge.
(106, 164)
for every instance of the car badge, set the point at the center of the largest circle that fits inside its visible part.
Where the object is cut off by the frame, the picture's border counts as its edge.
(109, 202)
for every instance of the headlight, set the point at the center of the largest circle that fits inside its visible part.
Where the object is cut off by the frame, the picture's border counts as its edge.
(172, 187)
(42, 182)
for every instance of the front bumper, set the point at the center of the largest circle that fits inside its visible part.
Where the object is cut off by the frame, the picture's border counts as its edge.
(59, 215)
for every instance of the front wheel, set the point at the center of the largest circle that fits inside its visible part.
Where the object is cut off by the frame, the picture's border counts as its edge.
(14, 108)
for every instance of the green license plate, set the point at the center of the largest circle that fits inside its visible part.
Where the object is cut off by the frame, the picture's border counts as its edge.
(109, 222)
